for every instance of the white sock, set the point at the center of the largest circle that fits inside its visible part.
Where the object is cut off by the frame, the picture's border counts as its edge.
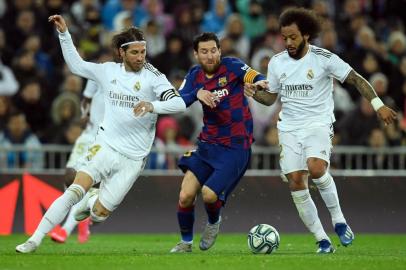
(92, 201)
(70, 222)
(328, 192)
(308, 213)
(57, 212)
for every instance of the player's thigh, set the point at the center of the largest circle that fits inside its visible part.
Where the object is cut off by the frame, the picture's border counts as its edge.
(190, 184)
(99, 161)
(194, 162)
(114, 188)
(291, 153)
(318, 143)
(79, 150)
(226, 176)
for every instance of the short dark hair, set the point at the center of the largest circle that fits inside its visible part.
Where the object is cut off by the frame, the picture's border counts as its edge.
(130, 34)
(203, 37)
(305, 19)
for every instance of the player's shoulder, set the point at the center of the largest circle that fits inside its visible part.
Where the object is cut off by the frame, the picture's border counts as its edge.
(231, 61)
(320, 52)
(193, 71)
(111, 65)
(151, 70)
(280, 56)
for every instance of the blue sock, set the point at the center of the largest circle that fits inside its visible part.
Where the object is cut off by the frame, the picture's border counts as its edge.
(213, 211)
(186, 219)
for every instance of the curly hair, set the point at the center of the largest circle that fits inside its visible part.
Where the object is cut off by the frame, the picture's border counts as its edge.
(305, 19)
(130, 34)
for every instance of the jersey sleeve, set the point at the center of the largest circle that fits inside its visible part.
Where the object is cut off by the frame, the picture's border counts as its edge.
(160, 84)
(242, 70)
(90, 89)
(338, 68)
(187, 92)
(75, 63)
(274, 85)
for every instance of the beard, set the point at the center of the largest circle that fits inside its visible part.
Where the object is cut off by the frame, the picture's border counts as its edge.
(299, 50)
(212, 69)
(135, 67)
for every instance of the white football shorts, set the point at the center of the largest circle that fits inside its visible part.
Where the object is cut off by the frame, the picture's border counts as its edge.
(115, 172)
(79, 150)
(299, 145)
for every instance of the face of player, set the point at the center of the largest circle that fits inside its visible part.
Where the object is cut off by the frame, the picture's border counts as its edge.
(296, 44)
(134, 56)
(208, 56)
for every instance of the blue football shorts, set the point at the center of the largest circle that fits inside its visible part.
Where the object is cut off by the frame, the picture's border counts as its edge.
(216, 166)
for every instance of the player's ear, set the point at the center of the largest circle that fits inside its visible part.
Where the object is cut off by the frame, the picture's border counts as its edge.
(121, 53)
(306, 37)
(196, 55)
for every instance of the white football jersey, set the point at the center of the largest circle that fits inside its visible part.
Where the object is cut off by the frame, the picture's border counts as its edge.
(96, 112)
(306, 86)
(120, 129)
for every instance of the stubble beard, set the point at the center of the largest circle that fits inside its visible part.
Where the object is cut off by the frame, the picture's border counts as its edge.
(299, 50)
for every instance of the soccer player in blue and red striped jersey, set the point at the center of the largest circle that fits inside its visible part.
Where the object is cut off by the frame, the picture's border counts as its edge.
(224, 146)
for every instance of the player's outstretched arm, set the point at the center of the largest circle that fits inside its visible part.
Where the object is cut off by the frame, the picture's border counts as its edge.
(72, 58)
(258, 92)
(59, 23)
(367, 91)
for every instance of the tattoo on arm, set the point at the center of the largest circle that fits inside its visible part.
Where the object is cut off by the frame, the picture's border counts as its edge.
(265, 97)
(361, 84)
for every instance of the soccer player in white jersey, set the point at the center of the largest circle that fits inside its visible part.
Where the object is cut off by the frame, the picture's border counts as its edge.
(93, 109)
(302, 76)
(126, 133)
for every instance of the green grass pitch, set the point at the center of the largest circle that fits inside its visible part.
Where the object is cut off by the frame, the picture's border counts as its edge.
(150, 251)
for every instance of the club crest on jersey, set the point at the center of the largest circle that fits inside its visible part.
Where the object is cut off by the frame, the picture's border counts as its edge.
(310, 74)
(283, 77)
(137, 86)
(222, 81)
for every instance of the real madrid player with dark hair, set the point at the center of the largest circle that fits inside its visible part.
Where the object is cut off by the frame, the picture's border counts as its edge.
(125, 135)
(302, 76)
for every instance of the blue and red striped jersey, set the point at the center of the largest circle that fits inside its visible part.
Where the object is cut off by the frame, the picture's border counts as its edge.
(230, 122)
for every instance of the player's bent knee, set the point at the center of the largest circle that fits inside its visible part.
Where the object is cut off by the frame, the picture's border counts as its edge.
(99, 210)
(317, 171)
(209, 196)
(317, 167)
(69, 176)
(297, 181)
(186, 199)
(97, 218)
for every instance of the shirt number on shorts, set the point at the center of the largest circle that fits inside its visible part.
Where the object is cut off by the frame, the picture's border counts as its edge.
(93, 151)
(188, 153)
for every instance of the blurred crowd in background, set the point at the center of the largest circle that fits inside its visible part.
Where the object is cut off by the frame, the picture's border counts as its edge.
(40, 98)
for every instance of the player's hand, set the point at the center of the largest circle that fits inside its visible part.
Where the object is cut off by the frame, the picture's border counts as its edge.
(251, 88)
(142, 108)
(59, 22)
(262, 85)
(387, 115)
(207, 97)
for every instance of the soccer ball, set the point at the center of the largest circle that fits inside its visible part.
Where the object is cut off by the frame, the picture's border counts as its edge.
(263, 239)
